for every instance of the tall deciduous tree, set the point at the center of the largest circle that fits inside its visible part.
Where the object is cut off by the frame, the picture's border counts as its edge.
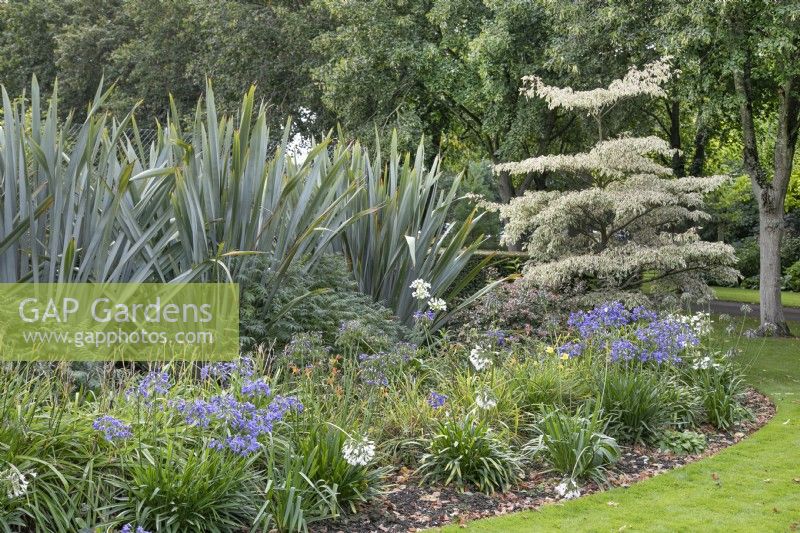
(449, 69)
(755, 47)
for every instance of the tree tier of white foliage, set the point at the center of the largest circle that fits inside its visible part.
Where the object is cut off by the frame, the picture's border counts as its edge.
(635, 223)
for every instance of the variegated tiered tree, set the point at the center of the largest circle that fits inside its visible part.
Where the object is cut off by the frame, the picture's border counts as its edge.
(634, 222)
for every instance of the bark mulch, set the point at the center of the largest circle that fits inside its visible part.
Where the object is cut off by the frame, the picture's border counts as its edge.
(407, 506)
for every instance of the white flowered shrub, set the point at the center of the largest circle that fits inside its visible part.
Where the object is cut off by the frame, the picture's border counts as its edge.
(635, 223)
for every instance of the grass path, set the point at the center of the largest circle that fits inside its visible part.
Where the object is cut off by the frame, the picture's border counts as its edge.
(751, 486)
(750, 296)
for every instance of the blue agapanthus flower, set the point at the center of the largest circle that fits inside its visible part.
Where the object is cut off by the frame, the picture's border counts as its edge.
(241, 421)
(608, 315)
(153, 384)
(623, 349)
(112, 428)
(571, 349)
(424, 316)
(129, 528)
(436, 400)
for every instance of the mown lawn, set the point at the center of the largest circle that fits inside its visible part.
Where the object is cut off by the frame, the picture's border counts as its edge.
(750, 296)
(752, 486)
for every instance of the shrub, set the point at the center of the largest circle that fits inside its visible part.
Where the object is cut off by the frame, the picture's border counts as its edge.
(465, 452)
(747, 256)
(791, 279)
(574, 445)
(516, 306)
(682, 442)
(319, 301)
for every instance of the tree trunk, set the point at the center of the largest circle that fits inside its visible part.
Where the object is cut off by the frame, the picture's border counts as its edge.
(675, 138)
(770, 223)
(699, 157)
(770, 193)
(505, 187)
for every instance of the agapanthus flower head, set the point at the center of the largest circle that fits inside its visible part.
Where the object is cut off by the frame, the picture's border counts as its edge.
(624, 349)
(112, 428)
(129, 528)
(224, 371)
(241, 421)
(374, 377)
(405, 351)
(153, 384)
(424, 316)
(498, 336)
(768, 329)
(437, 305)
(700, 322)
(422, 289)
(643, 313)
(374, 367)
(16, 481)
(358, 451)
(255, 388)
(705, 363)
(436, 400)
(242, 445)
(571, 349)
(664, 340)
(485, 399)
(480, 358)
(599, 319)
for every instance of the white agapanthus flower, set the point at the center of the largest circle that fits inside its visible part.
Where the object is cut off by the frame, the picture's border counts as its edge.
(480, 359)
(485, 399)
(422, 289)
(358, 452)
(437, 305)
(705, 363)
(16, 481)
(568, 489)
(700, 322)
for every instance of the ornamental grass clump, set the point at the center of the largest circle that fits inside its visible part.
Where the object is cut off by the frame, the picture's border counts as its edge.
(634, 402)
(174, 488)
(341, 463)
(466, 453)
(720, 386)
(574, 445)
